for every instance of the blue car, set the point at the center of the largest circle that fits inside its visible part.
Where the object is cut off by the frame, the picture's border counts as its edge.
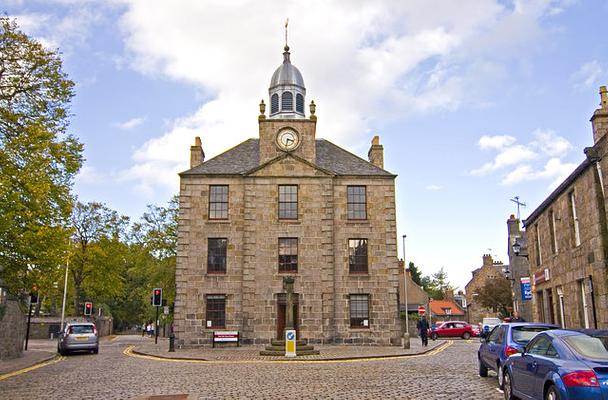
(502, 342)
(558, 365)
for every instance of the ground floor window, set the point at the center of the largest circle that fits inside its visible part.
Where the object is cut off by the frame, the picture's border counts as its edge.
(359, 310)
(216, 311)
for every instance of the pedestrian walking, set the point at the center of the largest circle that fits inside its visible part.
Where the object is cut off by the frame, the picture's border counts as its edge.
(423, 329)
(516, 317)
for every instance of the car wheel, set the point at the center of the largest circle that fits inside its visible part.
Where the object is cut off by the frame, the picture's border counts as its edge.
(552, 393)
(483, 370)
(434, 336)
(466, 336)
(501, 377)
(508, 387)
(96, 350)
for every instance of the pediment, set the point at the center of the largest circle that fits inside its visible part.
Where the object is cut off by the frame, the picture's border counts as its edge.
(288, 165)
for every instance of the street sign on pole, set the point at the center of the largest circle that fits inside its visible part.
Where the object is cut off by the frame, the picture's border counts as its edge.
(421, 310)
(290, 343)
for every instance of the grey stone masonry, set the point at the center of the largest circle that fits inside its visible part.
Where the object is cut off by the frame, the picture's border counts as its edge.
(12, 330)
(567, 240)
(252, 284)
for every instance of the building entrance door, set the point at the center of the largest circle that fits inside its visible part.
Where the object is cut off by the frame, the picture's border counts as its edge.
(281, 314)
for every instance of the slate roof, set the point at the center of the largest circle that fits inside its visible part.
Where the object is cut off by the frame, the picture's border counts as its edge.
(245, 157)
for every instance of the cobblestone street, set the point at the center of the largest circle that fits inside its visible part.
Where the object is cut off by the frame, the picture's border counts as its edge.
(448, 374)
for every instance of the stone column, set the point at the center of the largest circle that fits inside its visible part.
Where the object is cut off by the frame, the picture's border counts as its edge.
(288, 286)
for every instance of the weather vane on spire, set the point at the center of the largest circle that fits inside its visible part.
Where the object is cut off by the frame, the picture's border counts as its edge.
(286, 23)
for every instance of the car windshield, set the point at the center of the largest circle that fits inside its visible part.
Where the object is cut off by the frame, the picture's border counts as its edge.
(81, 329)
(523, 334)
(587, 346)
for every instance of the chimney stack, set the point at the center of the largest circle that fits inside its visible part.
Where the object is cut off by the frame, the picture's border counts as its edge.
(513, 226)
(487, 260)
(376, 153)
(599, 120)
(197, 155)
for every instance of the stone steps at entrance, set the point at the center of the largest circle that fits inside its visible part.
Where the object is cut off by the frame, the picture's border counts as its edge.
(282, 352)
(298, 348)
(281, 342)
(277, 348)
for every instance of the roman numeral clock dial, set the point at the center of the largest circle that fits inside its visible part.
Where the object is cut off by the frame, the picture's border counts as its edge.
(288, 139)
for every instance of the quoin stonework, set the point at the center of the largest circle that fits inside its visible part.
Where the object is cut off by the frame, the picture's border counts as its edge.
(567, 240)
(287, 204)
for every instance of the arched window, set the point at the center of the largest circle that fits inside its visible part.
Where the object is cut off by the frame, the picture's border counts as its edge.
(299, 103)
(274, 104)
(287, 101)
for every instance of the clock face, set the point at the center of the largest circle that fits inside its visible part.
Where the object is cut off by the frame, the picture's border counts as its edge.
(288, 139)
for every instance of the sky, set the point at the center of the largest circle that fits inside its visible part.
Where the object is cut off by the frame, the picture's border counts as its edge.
(475, 101)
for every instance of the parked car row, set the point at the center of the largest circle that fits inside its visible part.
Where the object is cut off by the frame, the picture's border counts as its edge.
(541, 361)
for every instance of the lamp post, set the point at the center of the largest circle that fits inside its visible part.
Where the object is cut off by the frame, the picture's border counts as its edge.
(406, 335)
(65, 283)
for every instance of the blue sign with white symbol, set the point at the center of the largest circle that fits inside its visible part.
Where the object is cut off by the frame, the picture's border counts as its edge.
(526, 288)
(291, 335)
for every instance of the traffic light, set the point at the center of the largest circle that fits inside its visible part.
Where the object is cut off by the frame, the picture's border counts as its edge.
(88, 308)
(34, 295)
(157, 297)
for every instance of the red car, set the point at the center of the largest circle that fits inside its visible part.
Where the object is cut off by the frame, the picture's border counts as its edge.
(453, 329)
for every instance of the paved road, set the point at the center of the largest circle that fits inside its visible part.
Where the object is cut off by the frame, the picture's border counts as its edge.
(450, 374)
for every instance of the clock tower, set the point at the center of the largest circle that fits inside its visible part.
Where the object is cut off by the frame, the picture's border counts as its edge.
(287, 129)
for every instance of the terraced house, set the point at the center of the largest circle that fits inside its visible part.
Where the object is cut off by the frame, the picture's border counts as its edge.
(287, 204)
(567, 240)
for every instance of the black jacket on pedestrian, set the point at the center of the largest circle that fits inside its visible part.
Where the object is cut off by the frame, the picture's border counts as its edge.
(423, 327)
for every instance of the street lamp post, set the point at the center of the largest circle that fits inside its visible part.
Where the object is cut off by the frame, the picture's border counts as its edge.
(65, 284)
(406, 335)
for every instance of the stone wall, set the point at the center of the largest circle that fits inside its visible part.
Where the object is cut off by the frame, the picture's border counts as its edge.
(252, 282)
(571, 288)
(490, 270)
(12, 330)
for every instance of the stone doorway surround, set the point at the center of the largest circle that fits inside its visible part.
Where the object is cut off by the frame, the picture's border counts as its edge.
(281, 314)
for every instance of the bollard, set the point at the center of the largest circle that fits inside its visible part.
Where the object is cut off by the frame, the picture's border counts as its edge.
(172, 342)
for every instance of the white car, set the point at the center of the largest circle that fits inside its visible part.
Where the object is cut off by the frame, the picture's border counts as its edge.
(487, 324)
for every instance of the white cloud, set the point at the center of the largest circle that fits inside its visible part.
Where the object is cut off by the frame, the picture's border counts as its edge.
(518, 158)
(88, 175)
(508, 156)
(554, 169)
(588, 74)
(382, 60)
(130, 124)
(495, 142)
(433, 187)
(64, 31)
(548, 143)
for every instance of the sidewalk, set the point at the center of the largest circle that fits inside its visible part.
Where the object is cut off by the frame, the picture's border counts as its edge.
(38, 351)
(230, 353)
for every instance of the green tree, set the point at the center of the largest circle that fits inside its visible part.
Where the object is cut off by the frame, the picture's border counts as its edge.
(157, 233)
(436, 285)
(98, 255)
(496, 294)
(415, 273)
(38, 159)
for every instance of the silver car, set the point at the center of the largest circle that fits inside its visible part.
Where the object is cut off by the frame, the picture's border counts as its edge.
(78, 336)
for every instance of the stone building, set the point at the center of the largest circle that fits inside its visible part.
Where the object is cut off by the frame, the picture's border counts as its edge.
(287, 204)
(490, 269)
(568, 240)
(519, 270)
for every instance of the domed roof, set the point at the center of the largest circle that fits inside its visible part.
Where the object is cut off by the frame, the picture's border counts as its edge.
(287, 73)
